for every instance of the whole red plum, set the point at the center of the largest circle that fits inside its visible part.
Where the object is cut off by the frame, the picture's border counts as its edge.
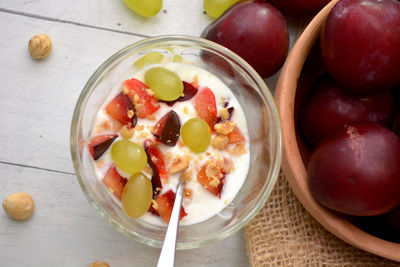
(356, 171)
(360, 44)
(330, 106)
(256, 31)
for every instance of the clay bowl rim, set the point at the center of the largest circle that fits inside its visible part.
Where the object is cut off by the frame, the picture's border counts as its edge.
(292, 163)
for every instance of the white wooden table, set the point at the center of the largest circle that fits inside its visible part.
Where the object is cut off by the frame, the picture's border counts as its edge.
(37, 99)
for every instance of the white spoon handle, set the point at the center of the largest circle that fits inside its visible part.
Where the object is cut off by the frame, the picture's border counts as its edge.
(167, 255)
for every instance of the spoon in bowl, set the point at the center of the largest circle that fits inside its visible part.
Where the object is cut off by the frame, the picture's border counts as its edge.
(167, 255)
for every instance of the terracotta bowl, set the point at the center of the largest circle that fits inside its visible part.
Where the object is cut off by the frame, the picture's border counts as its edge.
(296, 155)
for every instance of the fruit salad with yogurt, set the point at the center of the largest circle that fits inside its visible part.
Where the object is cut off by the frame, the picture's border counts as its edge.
(171, 121)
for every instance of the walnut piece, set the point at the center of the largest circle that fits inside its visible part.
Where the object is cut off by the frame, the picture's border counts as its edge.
(225, 127)
(224, 113)
(186, 176)
(188, 193)
(19, 206)
(220, 142)
(40, 46)
(130, 114)
(126, 133)
(179, 164)
(239, 149)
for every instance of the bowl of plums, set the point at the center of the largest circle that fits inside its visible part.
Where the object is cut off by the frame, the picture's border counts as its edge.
(339, 99)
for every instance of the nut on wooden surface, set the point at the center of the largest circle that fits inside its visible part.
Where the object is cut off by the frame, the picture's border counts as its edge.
(40, 46)
(19, 206)
(99, 264)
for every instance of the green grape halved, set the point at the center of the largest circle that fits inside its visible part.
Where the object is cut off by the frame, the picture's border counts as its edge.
(128, 156)
(196, 134)
(165, 83)
(150, 58)
(215, 8)
(145, 8)
(137, 195)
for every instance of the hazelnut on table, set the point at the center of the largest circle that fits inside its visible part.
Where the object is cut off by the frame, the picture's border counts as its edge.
(40, 46)
(99, 264)
(19, 206)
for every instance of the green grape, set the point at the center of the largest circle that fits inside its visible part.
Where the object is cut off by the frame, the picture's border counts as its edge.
(145, 8)
(177, 58)
(137, 195)
(215, 8)
(128, 156)
(196, 134)
(150, 58)
(165, 84)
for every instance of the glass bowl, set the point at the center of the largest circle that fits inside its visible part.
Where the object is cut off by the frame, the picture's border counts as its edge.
(262, 121)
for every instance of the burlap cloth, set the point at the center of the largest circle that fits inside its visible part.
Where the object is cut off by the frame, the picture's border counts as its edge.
(285, 234)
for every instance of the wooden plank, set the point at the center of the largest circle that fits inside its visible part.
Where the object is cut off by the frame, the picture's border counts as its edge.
(37, 98)
(65, 230)
(177, 17)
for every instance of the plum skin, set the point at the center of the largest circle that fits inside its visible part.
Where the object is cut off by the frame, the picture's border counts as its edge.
(256, 31)
(356, 171)
(330, 106)
(296, 7)
(360, 44)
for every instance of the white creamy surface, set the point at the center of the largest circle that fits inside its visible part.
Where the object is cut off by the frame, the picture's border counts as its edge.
(203, 204)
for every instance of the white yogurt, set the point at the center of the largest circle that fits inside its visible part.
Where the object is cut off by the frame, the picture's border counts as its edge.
(203, 204)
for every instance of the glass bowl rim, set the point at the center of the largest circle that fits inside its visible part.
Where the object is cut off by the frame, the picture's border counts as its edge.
(266, 95)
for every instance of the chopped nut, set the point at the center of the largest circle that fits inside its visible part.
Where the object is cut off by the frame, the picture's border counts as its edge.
(154, 159)
(195, 81)
(224, 113)
(225, 127)
(139, 127)
(99, 264)
(188, 193)
(125, 90)
(130, 114)
(168, 158)
(143, 134)
(40, 46)
(136, 98)
(19, 206)
(212, 169)
(228, 165)
(103, 126)
(238, 149)
(188, 157)
(154, 204)
(149, 92)
(186, 176)
(126, 132)
(179, 164)
(186, 110)
(220, 142)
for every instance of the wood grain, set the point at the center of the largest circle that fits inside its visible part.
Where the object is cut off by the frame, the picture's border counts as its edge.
(65, 230)
(37, 99)
(177, 17)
